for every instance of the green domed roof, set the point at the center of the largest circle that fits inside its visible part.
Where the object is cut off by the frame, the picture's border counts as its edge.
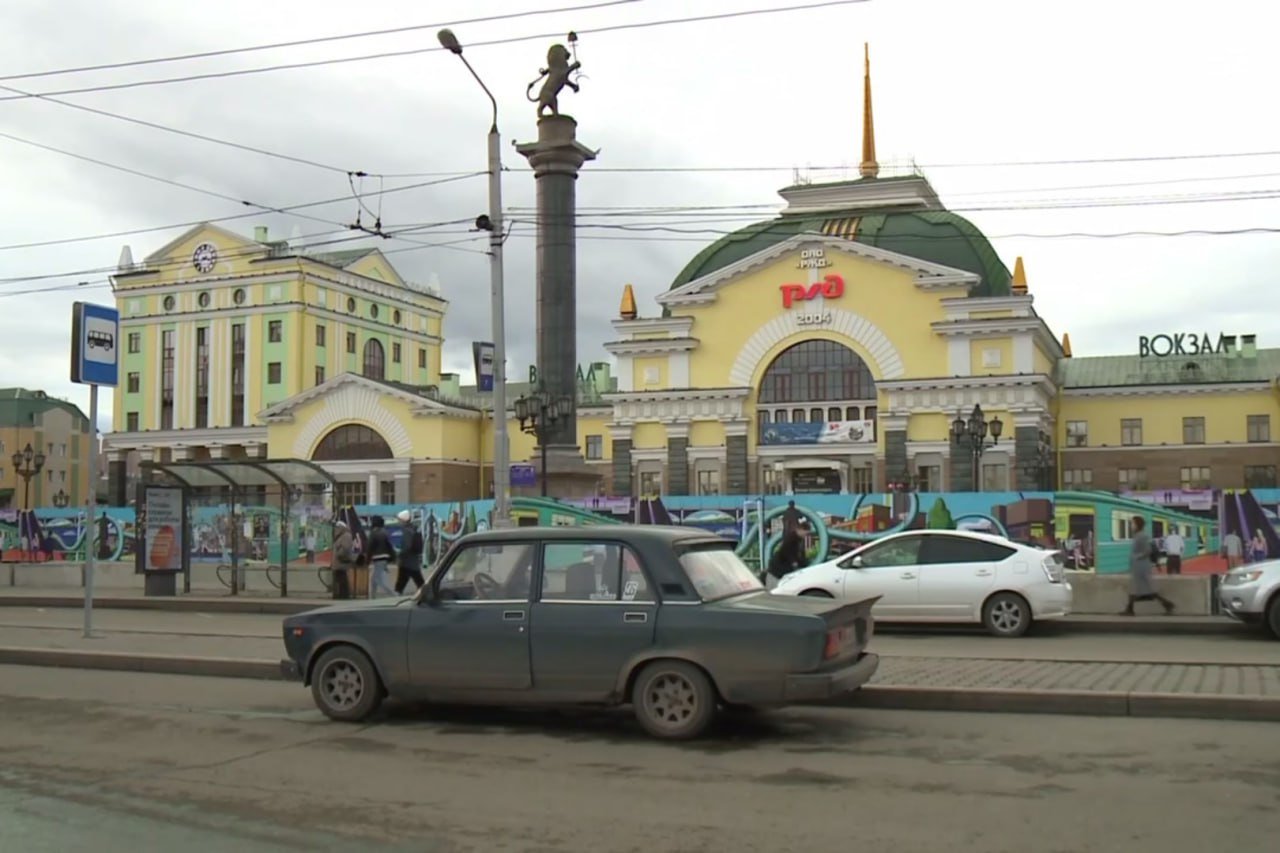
(938, 236)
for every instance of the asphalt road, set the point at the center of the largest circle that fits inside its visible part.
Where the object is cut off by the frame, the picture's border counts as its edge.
(108, 761)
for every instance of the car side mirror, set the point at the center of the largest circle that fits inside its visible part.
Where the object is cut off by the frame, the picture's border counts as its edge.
(428, 595)
(855, 563)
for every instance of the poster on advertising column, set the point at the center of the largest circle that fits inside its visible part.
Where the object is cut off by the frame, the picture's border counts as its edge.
(163, 543)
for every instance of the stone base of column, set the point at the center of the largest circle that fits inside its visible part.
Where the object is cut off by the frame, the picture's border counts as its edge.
(569, 475)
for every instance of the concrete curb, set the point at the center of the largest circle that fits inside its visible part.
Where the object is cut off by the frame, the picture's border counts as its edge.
(885, 696)
(180, 604)
(1068, 702)
(137, 662)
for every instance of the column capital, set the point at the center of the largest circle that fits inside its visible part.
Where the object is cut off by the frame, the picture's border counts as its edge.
(736, 427)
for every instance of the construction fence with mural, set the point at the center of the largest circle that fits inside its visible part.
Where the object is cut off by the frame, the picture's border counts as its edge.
(1090, 528)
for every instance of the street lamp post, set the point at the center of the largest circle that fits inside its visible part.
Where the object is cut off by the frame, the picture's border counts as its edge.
(27, 463)
(974, 433)
(493, 224)
(538, 414)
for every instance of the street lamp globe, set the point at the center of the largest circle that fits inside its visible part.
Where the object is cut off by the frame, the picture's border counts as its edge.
(449, 42)
(522, 408)
(997, 427)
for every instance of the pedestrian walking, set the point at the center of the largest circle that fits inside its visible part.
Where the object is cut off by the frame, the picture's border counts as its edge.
(1257, 547)
(1232, 549)
(1174, 547)
(409, 563)
(344, 557)
(380, 553)
(1142, 556)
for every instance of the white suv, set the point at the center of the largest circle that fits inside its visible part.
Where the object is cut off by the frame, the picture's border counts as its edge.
(1252, 594)
(944, 576)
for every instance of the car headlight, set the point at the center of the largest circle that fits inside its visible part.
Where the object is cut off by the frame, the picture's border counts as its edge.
(1240, 578)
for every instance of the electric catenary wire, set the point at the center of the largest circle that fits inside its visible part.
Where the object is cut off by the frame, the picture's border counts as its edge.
(208, 54)
(420, 50)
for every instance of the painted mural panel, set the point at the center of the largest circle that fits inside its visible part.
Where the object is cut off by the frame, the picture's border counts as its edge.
(1092, 529)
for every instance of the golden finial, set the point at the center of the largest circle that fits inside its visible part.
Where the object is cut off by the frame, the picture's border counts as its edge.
(1066, 345)
(1019, 283)
(627, 310)
(869, 168)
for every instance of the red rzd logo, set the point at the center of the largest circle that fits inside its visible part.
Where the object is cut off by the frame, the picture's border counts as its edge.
(831, 287)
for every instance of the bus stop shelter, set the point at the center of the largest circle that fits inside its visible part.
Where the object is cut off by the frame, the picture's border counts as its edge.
(284, 482)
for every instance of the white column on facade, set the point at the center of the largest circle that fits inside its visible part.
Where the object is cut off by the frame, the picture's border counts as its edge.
(217, 451)
(374, 495)
(626, 373)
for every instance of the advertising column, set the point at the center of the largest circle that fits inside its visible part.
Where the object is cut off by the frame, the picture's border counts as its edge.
(162, 549)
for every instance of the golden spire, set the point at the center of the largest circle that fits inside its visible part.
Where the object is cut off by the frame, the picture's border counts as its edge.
(1066, 345)
(627, 310)
(1019, 283)
(869, 168)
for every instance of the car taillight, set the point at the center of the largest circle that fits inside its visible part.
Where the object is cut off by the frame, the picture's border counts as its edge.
(835, 640)
(1052, 570)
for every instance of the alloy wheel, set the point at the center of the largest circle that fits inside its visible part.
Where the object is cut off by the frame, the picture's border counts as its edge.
(342, 684)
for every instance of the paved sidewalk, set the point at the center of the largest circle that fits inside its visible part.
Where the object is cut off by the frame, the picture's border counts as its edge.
(1217, 676)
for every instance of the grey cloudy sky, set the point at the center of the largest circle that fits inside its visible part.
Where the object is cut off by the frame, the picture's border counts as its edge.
(957, 86)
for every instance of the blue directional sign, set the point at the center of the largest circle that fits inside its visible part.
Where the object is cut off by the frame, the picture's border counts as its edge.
(95, 345)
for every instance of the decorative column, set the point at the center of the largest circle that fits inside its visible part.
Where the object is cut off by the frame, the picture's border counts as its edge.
(735, 457)
(117, 477)
(677, 459)
(620, 437)
(1026, 450)
(556, 158)
(895, 448)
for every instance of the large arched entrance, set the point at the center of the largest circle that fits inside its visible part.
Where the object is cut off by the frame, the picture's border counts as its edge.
(816, 393)
(356, 443)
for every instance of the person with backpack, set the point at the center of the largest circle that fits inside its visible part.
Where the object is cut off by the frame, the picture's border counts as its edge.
(409, 564)
(381, 552)
(344, 557)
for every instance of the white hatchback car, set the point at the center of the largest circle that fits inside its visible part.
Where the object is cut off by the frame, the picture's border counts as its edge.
(944, 576)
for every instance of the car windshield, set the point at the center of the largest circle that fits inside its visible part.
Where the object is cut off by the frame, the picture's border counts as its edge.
(717, 572)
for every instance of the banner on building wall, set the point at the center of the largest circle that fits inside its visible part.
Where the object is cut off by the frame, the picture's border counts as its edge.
(482, 354)
(820, 432)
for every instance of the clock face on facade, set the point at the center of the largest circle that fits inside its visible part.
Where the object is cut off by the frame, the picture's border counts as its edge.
(204, 257)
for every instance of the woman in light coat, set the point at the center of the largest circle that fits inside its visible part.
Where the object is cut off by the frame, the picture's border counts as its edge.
(1141, 587)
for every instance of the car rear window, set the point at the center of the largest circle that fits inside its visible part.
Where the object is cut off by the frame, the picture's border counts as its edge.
(717, 572)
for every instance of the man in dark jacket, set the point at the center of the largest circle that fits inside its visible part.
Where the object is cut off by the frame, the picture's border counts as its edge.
(409, 565)
(380, 553)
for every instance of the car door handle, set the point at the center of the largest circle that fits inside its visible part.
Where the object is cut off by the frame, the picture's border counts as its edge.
(635, 616)
(906, 576)
(513, 615)
(982, 573)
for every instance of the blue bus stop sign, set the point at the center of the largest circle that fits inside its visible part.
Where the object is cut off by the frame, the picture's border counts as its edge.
(95, 345)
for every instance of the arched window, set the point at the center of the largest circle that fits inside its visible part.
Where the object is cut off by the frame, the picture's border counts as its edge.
(817, 372)
(352, 441)
(375, 360)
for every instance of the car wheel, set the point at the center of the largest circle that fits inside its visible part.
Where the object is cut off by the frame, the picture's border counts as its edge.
(673, 700)
(817, 593)
(345, 684)
(1006, 614)
(1273, 616)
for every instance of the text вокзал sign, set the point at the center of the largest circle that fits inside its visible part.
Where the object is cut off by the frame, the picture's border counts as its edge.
(1185, 343)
